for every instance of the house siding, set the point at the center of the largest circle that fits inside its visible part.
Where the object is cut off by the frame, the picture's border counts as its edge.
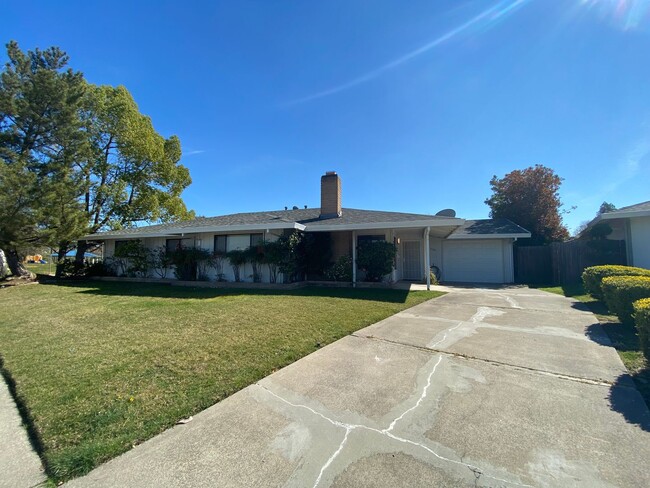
(640, 241)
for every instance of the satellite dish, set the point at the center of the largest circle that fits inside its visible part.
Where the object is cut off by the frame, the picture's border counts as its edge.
(448, 212)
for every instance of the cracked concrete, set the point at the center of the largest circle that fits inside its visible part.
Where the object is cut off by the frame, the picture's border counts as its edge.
(481, 387)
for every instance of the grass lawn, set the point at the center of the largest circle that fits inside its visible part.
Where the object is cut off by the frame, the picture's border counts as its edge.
(43, 269)
(98, 367)
(623, 337)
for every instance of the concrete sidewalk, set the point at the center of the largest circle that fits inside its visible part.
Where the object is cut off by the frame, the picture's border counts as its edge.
(512, 387)
(20, 466)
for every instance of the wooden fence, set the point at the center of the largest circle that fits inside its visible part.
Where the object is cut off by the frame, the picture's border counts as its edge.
(562, 263)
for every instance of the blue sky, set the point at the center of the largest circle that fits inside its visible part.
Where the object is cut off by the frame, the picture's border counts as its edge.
(415, 104)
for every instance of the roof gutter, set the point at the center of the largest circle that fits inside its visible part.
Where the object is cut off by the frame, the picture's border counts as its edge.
(387, 225)
(196, 230)
(522, 235)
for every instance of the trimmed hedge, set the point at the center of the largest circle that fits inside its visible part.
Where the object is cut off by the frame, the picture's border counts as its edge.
(642, 319)
(621, 292)
(593, 276)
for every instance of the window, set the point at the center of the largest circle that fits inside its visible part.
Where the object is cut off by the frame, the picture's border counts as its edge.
(173, 244)
(372, 238)
(119, 244)
(257, 239)
(220, 244)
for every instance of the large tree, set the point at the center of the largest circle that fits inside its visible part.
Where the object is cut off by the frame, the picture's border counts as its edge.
(132, 173)
(530, 198)
(77, 158)
(40, 138)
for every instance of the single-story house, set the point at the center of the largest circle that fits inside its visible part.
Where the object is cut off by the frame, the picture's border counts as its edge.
(479, 251)
(631, 224)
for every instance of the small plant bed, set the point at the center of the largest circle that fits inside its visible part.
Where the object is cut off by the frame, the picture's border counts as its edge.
(98, 367)
(624, 337)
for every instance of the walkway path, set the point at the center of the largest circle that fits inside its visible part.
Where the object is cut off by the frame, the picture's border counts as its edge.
(20, 466)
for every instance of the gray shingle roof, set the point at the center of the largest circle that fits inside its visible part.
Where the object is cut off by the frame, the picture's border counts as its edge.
(309, 217)
(495, 227)
(639, 207)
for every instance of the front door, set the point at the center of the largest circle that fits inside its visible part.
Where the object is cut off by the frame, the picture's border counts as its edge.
(411, 261)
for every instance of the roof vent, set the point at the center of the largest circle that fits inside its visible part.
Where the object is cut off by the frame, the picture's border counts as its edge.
(295, 207)
(447, 212)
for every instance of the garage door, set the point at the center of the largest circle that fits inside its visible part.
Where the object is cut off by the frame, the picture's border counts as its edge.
(473, 261)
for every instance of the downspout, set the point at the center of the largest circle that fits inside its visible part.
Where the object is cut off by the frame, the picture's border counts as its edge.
(354, 258)
(427, 258)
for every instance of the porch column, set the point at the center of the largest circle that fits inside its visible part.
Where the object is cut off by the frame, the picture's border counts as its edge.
(427, 260)
(354, 258)
(393, 274)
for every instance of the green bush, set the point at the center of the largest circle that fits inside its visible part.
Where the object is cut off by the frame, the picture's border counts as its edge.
(642, 319)
(593, 276)
(621, 292)
(376, 258)
(341, 270)
(237, 258)
(189, 263)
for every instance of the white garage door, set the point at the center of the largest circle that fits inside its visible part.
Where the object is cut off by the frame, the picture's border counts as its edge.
(473, 261)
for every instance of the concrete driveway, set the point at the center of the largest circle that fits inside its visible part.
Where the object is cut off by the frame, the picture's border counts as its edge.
(509, 387)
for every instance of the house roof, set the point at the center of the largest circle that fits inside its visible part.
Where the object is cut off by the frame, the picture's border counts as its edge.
(309, 220)
(301, 219)
(637, 210)
(489, 228)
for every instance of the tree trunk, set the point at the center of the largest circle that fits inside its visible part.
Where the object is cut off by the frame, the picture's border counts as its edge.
(4, 268)
(16, 266)
(60, 264)
(80, 257)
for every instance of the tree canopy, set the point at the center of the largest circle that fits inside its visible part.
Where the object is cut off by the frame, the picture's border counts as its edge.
(530, 198)
(77, 158)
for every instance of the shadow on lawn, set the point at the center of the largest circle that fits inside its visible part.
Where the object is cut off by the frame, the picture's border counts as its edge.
(182, 292)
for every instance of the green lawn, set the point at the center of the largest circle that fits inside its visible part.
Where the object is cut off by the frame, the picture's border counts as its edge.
(98, 367)
(623, 337)
(43, 269)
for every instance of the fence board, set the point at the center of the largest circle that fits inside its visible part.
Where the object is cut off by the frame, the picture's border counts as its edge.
(562, 263)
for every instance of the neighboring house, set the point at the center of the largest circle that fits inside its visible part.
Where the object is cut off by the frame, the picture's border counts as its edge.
(631, 224)
(464, 250)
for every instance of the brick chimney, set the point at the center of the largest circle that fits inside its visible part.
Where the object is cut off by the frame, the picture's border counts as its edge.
(330, 195)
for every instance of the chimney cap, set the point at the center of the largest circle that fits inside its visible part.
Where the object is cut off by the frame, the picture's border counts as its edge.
(330, 173)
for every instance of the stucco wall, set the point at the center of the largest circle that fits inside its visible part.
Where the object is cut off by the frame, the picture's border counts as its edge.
(203, 241)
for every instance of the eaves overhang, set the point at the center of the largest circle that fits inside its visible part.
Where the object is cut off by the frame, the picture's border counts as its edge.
(405, 224)
(183, 231)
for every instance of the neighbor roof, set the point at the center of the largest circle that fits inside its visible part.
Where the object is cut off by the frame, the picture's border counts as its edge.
(489, 228)
(302, 219)
(637, 210)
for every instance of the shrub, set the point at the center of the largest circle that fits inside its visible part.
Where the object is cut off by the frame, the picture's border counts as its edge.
(376, 258)
(341, 270)
(255, 256)
(432, 278)
(593, 276)
(161, 261)
(642, 319)
(621, 292)
(190, 263)
(132, 259)
(272, 255)
(237, 259)
(290, 262)
(217, 263)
